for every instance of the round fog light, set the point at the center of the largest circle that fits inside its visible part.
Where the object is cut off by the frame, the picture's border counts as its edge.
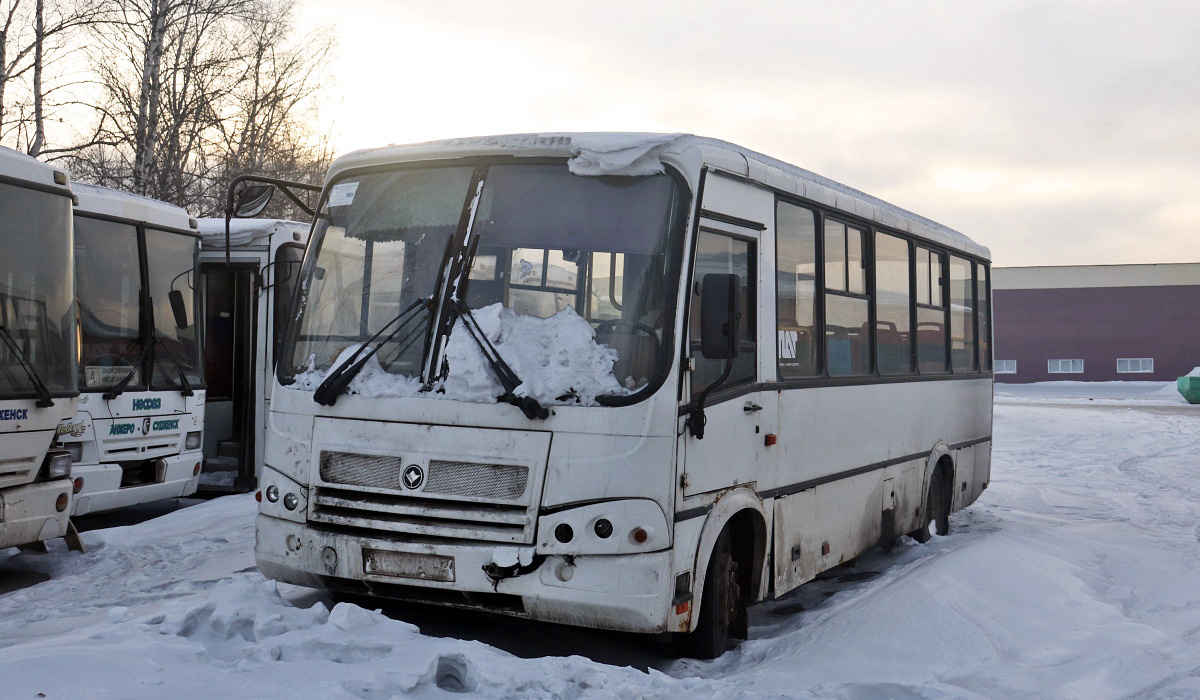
(78, 484)
(62, 502)
(290, 501)
(272, 493)
(603, 529)
(563, 533)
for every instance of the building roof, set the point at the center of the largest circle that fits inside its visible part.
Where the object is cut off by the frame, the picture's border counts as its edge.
(1085, 276)
(643, 154)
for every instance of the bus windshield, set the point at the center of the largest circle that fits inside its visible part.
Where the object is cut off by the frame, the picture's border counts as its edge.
(109, 278)
(544, 242)
(36, 291)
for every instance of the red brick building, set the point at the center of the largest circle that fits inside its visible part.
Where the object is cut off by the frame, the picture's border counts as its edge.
(1096, 322)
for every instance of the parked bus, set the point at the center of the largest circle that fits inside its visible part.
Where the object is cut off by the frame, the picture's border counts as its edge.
(137, 435)
(38, 386)
(761, 374)
(245, 311)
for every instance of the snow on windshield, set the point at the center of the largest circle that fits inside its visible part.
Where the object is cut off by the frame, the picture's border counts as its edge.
(557, 359)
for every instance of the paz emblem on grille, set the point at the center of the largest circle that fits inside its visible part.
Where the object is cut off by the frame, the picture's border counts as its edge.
(412, 476)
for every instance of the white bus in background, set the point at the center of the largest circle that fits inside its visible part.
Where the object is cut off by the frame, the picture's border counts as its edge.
(137, 434)
(38, 386)
(245, 307)
(762, 374)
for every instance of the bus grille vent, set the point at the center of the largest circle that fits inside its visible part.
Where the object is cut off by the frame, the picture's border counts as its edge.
(504, 482)
(361, 470)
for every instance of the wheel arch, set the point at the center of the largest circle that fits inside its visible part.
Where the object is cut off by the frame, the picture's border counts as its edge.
(741, 510)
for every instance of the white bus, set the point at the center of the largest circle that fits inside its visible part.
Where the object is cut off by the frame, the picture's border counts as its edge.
(136, 437)
(246, 300)
(38, 386)
(761, 374)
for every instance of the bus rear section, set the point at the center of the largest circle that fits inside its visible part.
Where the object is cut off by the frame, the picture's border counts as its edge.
(137, 434)
(38, 386)
(620, 381)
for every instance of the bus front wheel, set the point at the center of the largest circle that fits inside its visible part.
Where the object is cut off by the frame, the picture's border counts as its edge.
(722, 610)
(937, 510)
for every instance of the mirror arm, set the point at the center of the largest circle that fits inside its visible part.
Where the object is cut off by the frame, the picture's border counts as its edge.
(286, 185)
(696, 418)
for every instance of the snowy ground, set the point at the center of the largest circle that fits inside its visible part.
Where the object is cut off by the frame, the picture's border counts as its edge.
(1076, 575)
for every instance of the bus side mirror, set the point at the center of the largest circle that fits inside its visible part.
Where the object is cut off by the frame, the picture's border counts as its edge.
(720, 300)
(252, 200)
(178, 308)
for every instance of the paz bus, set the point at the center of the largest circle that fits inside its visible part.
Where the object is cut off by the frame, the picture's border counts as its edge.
(38, 346)
(136, 436)
(623, 381)
(246, 301)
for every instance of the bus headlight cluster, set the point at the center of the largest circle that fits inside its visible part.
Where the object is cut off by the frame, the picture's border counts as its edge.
(192, 441)
(282, 497)
(627, 526)
(290, 501)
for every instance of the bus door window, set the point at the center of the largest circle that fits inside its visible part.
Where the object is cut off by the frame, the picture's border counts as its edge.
(847, 306)
(931, 311)
(287, 277)
(796, 290)
(893, 339)
(962, 315)
(723, 254)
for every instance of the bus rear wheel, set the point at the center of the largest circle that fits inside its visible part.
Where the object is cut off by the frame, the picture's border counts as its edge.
(722, 608)
(937, 510)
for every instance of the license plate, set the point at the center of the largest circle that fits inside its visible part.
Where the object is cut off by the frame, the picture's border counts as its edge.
(427, 567)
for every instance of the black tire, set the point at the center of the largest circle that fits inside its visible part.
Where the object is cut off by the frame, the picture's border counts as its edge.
(722, 613)
(937, 510)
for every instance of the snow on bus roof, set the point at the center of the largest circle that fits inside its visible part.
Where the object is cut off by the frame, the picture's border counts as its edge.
(244, 231)
(94, 199)
(19, 166)
(603, 153)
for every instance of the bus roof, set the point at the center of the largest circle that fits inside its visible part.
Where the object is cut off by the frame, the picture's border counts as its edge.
(243, 232)
(106, 201)
(19, 166)
(642, 154)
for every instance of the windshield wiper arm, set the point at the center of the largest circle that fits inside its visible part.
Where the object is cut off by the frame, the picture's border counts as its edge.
(185, 387)
(530, 406)
(339, 377)
(39, 387)
(119, 388)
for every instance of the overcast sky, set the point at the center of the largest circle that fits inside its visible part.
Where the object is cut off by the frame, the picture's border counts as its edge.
(1052, 132)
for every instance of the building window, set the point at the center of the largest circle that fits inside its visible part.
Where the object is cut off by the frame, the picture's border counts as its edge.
(1007, 367)
(1134, 365)
(1064, 366)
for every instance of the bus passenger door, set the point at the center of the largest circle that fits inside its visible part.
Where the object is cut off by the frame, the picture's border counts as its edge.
(737, 418)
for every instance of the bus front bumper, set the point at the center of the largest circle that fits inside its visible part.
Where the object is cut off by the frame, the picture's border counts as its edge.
(626, 593)
(30, 513)
(102, 490)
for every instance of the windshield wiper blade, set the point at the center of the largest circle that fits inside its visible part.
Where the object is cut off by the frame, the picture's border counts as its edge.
(339, 377)
(530, 406)
(185, 387)
(119, 388)
(39, 387)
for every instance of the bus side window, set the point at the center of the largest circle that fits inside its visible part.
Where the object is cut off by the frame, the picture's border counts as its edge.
(983, 310)
(962, 315)
(931, 311)
(847, 306)
(893, 337)
(718, 253)
(795, 290)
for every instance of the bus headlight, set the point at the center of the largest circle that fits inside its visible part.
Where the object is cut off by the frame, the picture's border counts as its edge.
(192, 441)
(75, 449)
(58, 465)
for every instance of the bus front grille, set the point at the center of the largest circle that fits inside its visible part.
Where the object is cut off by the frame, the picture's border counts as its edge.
(423, 517)
(469, 480)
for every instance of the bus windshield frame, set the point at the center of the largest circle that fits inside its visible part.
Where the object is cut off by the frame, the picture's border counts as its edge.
(124, 300)
(37, 291)
(476, 219)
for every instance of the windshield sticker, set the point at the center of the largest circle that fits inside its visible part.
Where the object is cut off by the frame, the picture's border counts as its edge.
(147, 404)
(342, 195)
(103, 376)
(14, 414)
(787, 344)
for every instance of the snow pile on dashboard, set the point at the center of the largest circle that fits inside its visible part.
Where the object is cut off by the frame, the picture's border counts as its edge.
(554, 357)
(557, 359)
